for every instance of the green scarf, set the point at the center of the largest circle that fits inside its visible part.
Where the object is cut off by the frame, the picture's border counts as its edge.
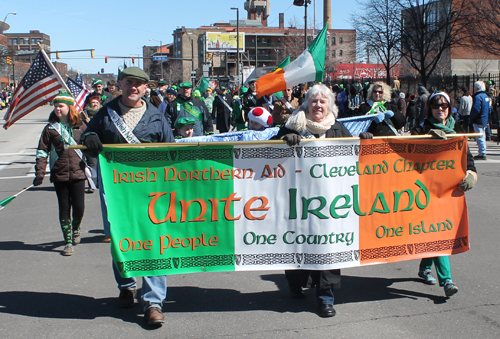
(448, 128)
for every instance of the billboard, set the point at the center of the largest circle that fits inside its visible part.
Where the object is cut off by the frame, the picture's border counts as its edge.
(222, 42)
(360, 71)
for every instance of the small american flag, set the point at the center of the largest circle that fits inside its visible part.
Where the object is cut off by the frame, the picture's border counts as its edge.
(79, 79)
(79, 93)
(39, 86)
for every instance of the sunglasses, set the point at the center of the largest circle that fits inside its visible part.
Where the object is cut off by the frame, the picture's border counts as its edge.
(443, 106)
(379, 92)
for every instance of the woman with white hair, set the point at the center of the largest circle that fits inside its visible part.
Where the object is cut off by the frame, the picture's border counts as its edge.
(378, 101)
(315, 118)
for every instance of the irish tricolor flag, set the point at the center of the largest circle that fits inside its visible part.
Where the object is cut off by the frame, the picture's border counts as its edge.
(309, 66)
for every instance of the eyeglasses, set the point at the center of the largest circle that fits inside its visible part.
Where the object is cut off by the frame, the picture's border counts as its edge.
(379, 92)
(442, 106)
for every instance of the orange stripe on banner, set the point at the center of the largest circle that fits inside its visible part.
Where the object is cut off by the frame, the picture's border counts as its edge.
(409, 194)
(271, 83)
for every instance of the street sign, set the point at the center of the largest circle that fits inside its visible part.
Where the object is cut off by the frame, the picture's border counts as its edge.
(160, 58)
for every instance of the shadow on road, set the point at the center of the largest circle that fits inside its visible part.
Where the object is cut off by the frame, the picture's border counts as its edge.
(47, 247)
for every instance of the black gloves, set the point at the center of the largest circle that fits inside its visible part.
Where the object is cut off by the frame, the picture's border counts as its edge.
(365, 135)
(37, 181)
(292, 139)
(93, 143)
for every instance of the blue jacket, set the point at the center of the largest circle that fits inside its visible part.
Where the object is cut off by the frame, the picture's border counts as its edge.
(480, 108)
(153, 126)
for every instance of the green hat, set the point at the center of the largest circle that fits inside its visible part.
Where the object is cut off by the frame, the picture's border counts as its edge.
(184, 121)
(223, 88)
(185, 84)
(65, 98)
(162, 83)
(243, 90)
(196, 93)
(133, 72)
(96, 82)
(174, 87)
(489, 83)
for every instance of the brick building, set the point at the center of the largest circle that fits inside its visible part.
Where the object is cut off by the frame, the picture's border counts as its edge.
(24, 46)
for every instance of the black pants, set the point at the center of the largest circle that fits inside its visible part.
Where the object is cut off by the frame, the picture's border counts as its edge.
(71, 194)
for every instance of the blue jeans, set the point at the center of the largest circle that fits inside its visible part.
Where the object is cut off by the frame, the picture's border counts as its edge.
(154, 289)
(481, 141)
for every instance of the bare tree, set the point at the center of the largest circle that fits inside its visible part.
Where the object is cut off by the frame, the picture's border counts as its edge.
(483, 23)
(478, 65)
(428, 30)
(378, 32)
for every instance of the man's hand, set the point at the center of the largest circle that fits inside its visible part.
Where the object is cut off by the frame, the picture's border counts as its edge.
(37, 181)
(468, 182)
(292, 139)
(93, 143)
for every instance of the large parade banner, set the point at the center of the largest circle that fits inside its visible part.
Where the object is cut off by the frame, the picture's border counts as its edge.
(322, 205)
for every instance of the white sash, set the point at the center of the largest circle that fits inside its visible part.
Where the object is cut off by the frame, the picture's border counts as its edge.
(271, 106)
(225, 103)
(89, 171)
(287, 104)
(122, 127)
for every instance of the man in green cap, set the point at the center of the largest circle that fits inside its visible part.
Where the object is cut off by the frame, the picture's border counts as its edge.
(130, 119)
(98, 88)
(184, 105)
(222, 110)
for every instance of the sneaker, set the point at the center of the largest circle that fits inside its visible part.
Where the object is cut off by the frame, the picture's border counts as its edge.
(89, 190)
(480, 157)
(428, 277)
(126, 298)
(450, 288)
(68, 250)
(77, 237)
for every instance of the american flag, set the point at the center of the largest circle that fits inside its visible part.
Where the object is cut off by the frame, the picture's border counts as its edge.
(79, 93)
(39, 86)
(79, 79)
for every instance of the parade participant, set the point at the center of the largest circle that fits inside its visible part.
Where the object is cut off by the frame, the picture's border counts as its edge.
(284, 107)
(438, 123)
(209, 99)
(250, 98)
(187, 106)
(97, 88)
(93, 105)
(170, 95)
(67, 170)
(259, 119)
(157, 96)
(379, 97)
(108, 91)
(267, 102)
(147, 94)
(315, 118)
(238, 114)
(480, 110)
(222, 109)
(130, 119)
(184, 127)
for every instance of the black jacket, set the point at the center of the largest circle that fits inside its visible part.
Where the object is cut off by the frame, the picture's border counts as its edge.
(338, 130)
(382, 129)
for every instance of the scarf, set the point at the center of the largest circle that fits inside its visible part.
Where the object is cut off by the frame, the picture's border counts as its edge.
(300, 122)
(448, 128)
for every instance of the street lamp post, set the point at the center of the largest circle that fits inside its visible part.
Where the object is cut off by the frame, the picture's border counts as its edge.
(4, 26)
(237, 42)
(192, 52)
(161, 61)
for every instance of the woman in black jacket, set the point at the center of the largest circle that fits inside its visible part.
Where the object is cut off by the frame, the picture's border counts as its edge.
(438, 123)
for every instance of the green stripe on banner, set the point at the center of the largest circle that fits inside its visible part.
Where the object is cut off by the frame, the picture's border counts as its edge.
(318, 52)
(168, 225)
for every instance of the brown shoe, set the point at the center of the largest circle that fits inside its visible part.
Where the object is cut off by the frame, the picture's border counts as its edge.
(126, 298)
(154, 316)
(106, 239)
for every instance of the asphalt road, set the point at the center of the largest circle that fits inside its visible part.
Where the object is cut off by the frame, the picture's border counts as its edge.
(46, 295)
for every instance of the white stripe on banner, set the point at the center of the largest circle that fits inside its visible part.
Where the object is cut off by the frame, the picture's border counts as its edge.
(304, 182)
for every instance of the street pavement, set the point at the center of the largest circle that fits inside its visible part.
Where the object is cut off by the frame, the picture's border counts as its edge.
(46, 295)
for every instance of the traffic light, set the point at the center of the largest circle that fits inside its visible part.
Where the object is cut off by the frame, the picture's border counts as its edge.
(102, 70)
(8, 60)
(57, 55)
(133, 60)
(92, 53)
(106, 59)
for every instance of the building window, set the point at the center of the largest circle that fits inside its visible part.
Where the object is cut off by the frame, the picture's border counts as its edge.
(15, 41)
(334, 40)
(341, 40)
(340, 53)
(333, 53)
(33, 41)
(279, 40)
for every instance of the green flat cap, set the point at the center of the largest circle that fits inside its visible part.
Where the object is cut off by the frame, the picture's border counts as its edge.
(186, 84)
(184, 121)
(133, 72)
(162, 83)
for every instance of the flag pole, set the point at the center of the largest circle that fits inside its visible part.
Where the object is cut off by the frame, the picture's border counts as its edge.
(25, 189)
(59, 76)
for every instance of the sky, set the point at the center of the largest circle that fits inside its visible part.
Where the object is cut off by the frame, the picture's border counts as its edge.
(121, 30)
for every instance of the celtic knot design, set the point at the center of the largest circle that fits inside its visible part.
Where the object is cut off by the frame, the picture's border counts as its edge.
(435, 148)
(385, 148)
(383, 252)
(205, 154)
(267, 153)
(328, 151)
(145, 265)
(267, 259)
(136, 156)
(327, 258)
(438, 245)
(207, 261)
